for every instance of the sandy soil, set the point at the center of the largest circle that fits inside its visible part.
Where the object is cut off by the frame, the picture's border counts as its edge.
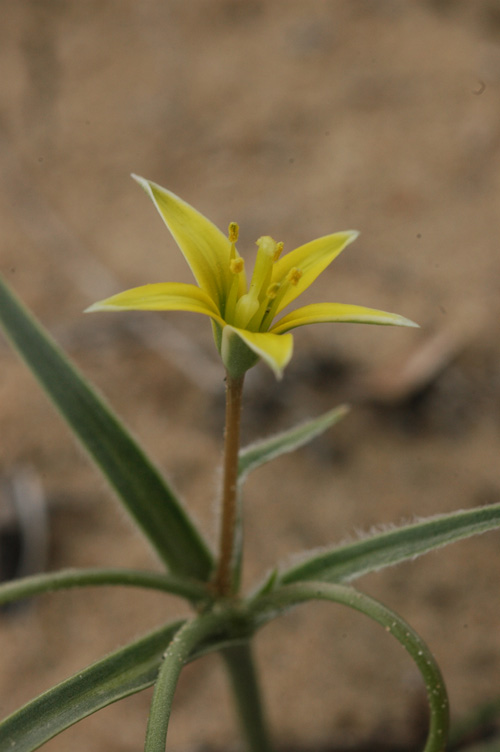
(295, 119)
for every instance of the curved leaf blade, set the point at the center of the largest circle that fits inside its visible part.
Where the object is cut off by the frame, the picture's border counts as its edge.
(145, 494)
(265, 608)
(345, 563)
(123, 673)
(188, 637)
(268, 449)
(119, 675)
(26, 587)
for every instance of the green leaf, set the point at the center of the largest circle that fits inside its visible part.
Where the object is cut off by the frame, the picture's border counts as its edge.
(345, 563)
(119, 675)
(265, 608)
(72, 578)
(191, 634)
(123, 673)
(268, 449)
(145, 494)
(271, 581)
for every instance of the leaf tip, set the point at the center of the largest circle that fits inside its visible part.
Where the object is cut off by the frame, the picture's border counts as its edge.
(408, 323)
(142, 182)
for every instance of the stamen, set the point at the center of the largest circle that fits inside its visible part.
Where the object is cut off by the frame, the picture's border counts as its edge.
(279, 288)
(236, 265)
(233, 232)
(257, 319)
(294, 276)
(279, 248)
(272, 290)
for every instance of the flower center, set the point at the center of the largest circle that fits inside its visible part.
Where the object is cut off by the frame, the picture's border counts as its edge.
(255, 309)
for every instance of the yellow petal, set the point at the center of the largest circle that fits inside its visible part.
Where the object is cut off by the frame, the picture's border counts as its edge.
(170, 296)
(206, 249)
(275, 350)
(311, 259)
(319, 313)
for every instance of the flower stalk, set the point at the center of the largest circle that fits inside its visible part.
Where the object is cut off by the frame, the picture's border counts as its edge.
(224, 579)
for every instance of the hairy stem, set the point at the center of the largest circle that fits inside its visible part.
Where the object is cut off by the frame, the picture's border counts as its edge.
(223, 581)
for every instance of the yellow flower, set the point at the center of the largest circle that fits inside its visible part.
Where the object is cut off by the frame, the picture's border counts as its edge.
(242, 316)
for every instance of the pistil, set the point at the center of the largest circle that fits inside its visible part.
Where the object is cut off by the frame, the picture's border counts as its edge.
(249, 304)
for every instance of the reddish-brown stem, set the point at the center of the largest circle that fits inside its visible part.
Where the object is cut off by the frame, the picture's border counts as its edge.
(223, 580)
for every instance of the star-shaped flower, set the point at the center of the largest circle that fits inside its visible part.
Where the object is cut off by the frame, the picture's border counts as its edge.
(243, 316)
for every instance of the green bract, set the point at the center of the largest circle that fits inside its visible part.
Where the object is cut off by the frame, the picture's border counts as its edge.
(242, 314)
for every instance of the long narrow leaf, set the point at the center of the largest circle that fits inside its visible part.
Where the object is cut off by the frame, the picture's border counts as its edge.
(268, 449)
(139, 485)
(187, 638)
(345, 563)
(72, 578)
(267, 607)
(123, 673)
(119, 675)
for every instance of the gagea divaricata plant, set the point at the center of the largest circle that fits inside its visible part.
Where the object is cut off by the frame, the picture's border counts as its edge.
(249, 324)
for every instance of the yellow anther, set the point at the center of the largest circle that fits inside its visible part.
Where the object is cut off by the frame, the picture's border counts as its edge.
(272, 290)
(233, 232)
(294, 276)
(236, 265)
(277, 252)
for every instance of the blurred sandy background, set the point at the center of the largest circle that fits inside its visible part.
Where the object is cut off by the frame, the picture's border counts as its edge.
(294, 119)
